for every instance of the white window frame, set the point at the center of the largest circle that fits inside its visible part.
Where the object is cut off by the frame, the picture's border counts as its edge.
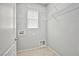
(32, 18)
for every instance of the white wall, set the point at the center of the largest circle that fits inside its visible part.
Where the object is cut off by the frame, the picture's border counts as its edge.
(31, 37)
(7, 27)
(63, 30)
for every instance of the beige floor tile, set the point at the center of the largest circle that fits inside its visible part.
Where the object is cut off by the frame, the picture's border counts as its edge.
(44, 51)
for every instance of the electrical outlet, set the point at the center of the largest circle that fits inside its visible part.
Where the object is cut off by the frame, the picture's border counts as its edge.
(42, 42)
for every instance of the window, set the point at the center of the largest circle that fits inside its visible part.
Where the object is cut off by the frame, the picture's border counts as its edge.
(32, 18)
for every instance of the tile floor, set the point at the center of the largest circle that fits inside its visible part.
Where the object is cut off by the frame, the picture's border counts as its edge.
(43, 51)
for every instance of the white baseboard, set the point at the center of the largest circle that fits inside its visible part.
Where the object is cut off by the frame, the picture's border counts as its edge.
(31, 49)
(52, 50)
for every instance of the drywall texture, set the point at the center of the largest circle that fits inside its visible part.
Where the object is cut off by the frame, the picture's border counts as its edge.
(63, 30)
(32, 36)
(7, 27)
